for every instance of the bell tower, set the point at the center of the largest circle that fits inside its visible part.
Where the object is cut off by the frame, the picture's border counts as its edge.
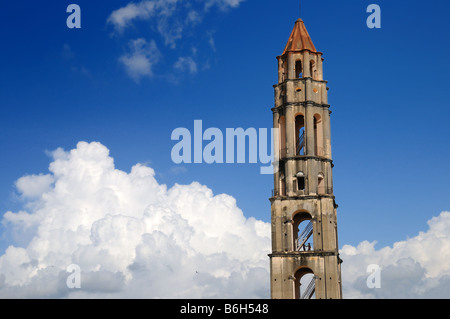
(304, 262)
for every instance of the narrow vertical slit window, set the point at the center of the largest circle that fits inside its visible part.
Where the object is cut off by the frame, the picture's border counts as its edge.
(300, 135)
(318, 136)
(298, 69)
(312, 66)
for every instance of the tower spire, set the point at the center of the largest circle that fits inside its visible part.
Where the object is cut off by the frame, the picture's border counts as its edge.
(299, 39)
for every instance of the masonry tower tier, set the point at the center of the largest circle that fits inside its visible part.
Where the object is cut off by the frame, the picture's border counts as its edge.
(305, 259)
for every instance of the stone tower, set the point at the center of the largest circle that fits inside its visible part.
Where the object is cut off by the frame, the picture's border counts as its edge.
(304, 262)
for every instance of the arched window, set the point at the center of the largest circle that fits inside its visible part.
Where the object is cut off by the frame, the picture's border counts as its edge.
(300, 135)
(282, 124)
(318, 135)
(305, 284)
(312, 67)
(300, 181)
(303, 232)
(298, 69)
(282, 186)
(283, 68)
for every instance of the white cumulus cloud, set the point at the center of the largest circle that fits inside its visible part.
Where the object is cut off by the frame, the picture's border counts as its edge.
(131, 236)
(33, 185)
(135, 238)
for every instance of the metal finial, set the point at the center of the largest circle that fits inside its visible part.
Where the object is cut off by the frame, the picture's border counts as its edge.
(300, 8)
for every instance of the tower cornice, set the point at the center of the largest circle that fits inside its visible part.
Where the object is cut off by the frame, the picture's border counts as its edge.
(304, 103)
(298, 51)
(302, 254)
(301, 80)
(307, 157)
(301, 197)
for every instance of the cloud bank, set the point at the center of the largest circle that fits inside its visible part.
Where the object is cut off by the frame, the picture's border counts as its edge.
(135, 238)
(130, 236)
(417, 267)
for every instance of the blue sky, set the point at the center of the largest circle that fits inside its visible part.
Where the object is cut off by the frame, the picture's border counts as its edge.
(388, 94)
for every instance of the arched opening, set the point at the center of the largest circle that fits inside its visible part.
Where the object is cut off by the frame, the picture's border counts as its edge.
(303, 232)
(300, 135)
(283, 68)
(298, 69)
(282, 124)
(305, 284)
(300, 176)
(312, 67)
(282, 186)
(318, 135)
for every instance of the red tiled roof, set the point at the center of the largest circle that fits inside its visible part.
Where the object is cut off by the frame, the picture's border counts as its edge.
(299, 39)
